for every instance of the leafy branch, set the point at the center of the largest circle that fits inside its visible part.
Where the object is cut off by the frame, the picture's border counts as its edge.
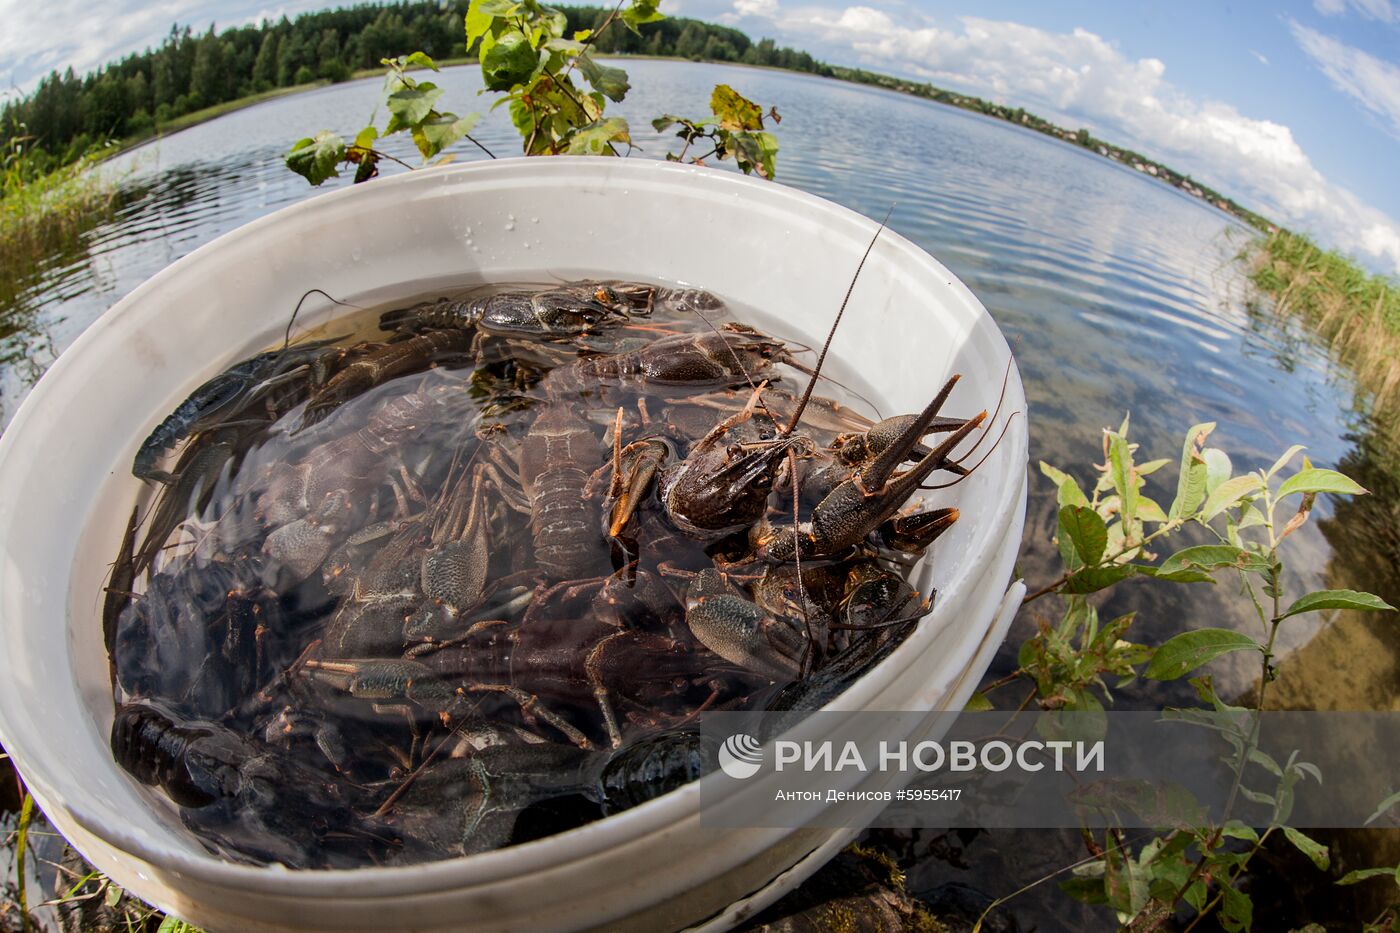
(737, 131)
(526, 57)
(1109, 535)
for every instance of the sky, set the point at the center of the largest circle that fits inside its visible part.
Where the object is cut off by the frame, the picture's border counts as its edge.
(1293, 109)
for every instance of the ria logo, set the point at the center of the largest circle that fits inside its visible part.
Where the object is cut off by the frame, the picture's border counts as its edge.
(740, 756)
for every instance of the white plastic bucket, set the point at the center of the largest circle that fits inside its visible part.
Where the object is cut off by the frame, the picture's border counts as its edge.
(65, 468)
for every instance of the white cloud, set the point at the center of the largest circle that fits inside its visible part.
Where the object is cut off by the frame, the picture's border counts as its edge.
(1079, 78)
(764, 8)
(1374, 83)
(1263, 59)
(1383, 10)
(49, 35)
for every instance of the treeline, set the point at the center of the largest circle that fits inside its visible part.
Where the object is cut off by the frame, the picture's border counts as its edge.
(67, 114)
(1080, 137)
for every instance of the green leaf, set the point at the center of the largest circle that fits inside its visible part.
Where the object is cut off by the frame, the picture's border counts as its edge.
(1386, 804)
(565, 45)
(1257, 797)
(365, 138)
(1093, 579)
(1364, 874)
(409, 106)
(1151, 466)
(608, 81)
(756, 152)
(1068, 491)
(1315, 480)
(1191, 490)
(1087, 531)
(594, 139)
(1087, 883)
(441, 130)
(1218, 467)
(1309, 847)
(1191, 484)
(315, 158)
(1183, 653)
(1149, 511)
(640, 12)
(1337, 599)
(1266, 761)
(553, 22)
(1228, 494)
(1282, 461)
(1177, 575)
(509, 62)
(1196, 895)
(735, 111)
(1126, 887)
(1026, 655)
(420, 60)
(977, 703)
(1213, 557)
(1236, 909)
(1250, 516)
(1085, 890)
(479, 20)
(1234, 829)
(1120, 459)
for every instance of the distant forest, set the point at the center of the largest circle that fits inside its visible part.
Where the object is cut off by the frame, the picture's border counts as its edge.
(67, 114)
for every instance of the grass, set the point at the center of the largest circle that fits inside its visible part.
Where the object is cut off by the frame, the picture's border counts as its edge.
(1356, 312)
(44, 214)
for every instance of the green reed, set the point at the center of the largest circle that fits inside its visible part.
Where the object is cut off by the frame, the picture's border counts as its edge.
(1356, 312)
(44, 212)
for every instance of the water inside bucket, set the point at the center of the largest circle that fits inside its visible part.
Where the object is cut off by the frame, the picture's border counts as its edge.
(388, 618)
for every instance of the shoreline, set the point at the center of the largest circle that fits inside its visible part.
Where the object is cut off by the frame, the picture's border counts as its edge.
(853, 76)
(204, 115)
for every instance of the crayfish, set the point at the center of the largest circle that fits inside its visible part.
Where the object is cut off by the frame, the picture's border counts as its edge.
(472, 580)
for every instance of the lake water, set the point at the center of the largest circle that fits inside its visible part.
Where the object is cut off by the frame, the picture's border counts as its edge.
(1117, 292)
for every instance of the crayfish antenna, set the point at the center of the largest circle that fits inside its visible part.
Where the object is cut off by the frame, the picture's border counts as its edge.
(810, 371)
(905, 483)
(831, 334)
(1001, 400)
(956, 466)
(287, 337)
(965, 472)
